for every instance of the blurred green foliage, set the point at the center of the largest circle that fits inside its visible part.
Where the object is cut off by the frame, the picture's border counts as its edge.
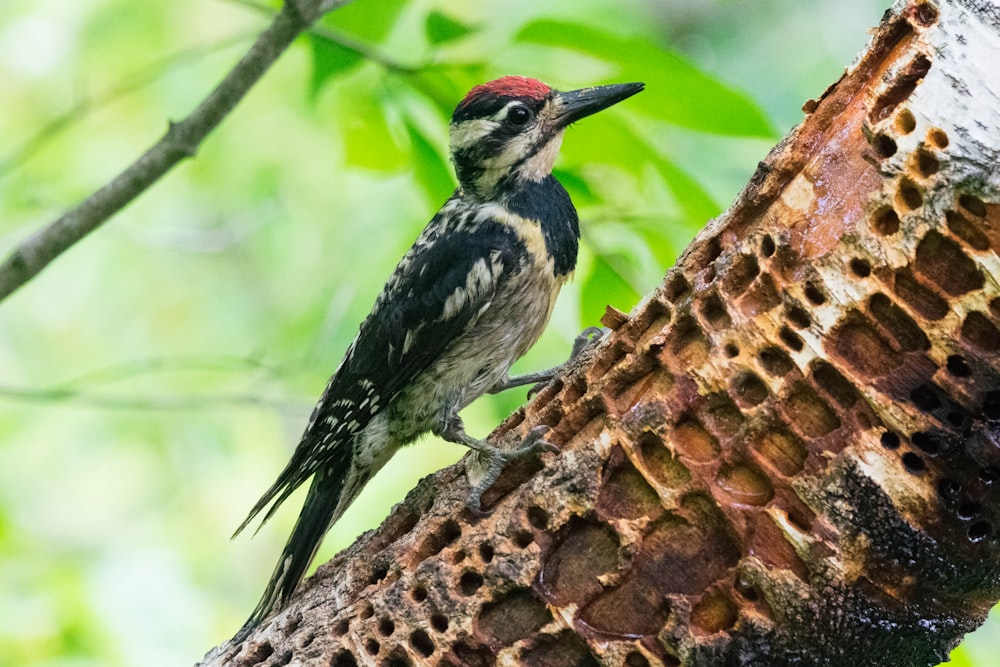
(154, 379)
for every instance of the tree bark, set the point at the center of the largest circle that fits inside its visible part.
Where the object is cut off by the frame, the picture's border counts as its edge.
(786, 454)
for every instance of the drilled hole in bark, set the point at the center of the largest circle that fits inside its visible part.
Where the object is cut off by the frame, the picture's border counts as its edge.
(372, 647)
(523, 538)
(538, 517)
(890, 440)
(779, 447)
(956, 419)
(979, 332)
(949, 491)
(814, 294)
(344, 659)
(260, 653)
(745, 588)
(927, 164)
(767, 246)
(913, 463)
(830, 380)
(439, 622)
(909, 197)
(473, 656)
(714, 312)
(969, 509)
(790, 339)
(926, 442)
(979, 531)
(486, 552)
(801, 521)
(775, 361)
(379, 574)
(421, 643)
(710, 252)
(366, 611)
(470, 582)
(677, 288)
(398, 659)
(691, 438)
(386, 626)
(900, 88)
(741, 274)
(905, 122)
(885, 221)
(341, 628)
(745, 484)
(418, 594)
(925, 398)
(798, 317)
(860, 267)
(967, 231)
(636, 659)
(884, 145)
(458, 556)
(938, 138)
(731, 350)
(925, 301)
(714, 613)
(908, 334)
(749, 389)
(516, 615)
(924, 14)
(973, 205)
(943, 261)
(432, 545)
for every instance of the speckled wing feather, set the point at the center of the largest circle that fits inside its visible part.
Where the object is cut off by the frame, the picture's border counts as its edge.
(438, 290)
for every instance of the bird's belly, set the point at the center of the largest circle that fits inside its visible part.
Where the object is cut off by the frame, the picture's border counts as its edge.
(479, 358)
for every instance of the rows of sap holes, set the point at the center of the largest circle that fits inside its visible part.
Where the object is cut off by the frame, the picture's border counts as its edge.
(469, 583)
(976, 328)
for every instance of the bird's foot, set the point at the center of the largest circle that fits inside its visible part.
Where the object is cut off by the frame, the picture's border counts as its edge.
(586, 338)
(495, 460)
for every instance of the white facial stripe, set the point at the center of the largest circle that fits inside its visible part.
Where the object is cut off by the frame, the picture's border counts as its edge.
(539, 165)
(470, 132)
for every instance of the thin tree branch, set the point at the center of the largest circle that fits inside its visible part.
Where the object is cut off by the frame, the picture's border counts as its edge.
(181, 141)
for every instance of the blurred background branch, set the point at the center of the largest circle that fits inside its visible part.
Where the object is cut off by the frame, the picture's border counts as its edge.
(180, 141)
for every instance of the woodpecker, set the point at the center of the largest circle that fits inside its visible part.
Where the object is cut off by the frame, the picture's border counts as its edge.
(469, 298)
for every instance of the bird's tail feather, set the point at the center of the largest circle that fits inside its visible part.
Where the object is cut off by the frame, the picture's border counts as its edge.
(320, 510)
(274, 496)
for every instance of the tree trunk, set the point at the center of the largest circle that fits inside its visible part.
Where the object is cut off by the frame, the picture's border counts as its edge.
(786, 454)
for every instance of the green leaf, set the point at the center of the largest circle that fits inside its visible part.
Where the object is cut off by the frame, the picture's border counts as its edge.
(368, 143)
(328, 60)
(603, 287)
(432, 170)
(676, 91)
(442, 28)
(369, 21)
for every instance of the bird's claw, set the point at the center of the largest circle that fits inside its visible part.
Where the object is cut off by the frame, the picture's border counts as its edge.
(586, 338)
(533, 443)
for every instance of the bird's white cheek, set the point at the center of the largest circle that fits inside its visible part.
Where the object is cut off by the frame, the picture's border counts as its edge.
(539, 165)
(470, 132)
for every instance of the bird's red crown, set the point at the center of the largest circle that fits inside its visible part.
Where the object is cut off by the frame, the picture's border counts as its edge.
(507, 86)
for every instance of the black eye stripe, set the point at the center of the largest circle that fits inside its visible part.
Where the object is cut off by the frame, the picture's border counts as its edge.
(487, 107)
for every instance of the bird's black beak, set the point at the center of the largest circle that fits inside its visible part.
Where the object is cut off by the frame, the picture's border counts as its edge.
(577, 104)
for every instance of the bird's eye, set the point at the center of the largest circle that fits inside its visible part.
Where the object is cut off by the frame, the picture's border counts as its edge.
(518, 115)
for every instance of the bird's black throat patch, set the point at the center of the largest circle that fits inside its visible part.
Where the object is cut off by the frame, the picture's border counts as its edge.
(547, 202)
